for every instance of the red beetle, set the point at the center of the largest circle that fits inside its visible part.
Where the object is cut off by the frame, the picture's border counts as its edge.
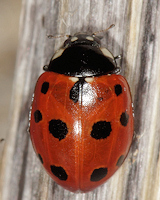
(81, 121)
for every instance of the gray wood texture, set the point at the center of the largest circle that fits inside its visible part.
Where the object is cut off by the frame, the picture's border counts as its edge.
(137, 37)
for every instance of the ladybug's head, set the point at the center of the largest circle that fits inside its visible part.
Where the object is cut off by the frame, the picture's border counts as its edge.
(83, 56)
(82, 39)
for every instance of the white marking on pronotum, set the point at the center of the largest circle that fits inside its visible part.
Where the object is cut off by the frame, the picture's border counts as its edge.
(89, 79)
(106, 53)
(58, 54)
(74, 79)
(73, 39)
(90, 38)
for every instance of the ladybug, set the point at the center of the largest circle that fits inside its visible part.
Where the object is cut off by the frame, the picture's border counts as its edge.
(81, 120)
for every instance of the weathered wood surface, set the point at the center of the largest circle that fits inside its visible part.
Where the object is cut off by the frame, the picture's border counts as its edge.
(137, 37)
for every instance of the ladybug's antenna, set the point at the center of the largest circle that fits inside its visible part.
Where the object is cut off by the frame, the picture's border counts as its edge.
(104, 30)
(57, 36)
(95, 33)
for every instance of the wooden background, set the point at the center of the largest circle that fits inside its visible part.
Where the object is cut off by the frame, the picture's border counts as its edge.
(137, 37)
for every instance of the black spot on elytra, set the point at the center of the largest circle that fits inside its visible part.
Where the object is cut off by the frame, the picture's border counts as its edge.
(44, 87)
(101, 130)
(37, 116)
(59, 172)
(118, 89)
(58, 129)
(75, 90)
(120, 160)
(40, 157)
(124, 118)
(98, 174)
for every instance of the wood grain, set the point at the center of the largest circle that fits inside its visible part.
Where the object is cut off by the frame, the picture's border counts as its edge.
(137, 37)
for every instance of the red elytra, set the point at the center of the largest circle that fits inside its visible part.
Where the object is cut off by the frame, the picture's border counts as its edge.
(81, 125)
